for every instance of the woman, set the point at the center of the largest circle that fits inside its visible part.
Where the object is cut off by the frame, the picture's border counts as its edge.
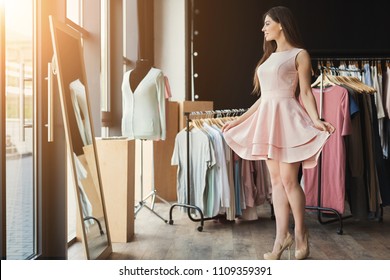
(279, 130)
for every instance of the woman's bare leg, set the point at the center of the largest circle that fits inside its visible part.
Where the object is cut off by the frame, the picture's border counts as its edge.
(296, 199)
(280, 204)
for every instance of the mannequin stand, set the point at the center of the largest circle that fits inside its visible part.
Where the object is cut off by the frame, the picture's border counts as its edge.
(152, 195)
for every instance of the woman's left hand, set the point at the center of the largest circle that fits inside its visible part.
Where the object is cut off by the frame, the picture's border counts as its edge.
(324, 126)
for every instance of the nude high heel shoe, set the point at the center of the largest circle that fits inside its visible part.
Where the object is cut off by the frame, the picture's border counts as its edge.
(303, 253)
(287, 243)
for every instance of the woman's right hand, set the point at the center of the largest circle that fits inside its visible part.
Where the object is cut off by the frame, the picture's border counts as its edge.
(228, 125)
(242, 118)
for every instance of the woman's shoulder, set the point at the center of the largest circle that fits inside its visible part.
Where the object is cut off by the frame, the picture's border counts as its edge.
(301, 50)
(302, 58)
(302, 53)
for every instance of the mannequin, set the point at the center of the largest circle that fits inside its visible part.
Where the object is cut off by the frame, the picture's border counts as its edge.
(143, 113)
(142, 67)
(143, 102)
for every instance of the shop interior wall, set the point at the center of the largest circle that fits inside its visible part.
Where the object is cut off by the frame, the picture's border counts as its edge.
(91, 53)
(170, 44)
(229, 41)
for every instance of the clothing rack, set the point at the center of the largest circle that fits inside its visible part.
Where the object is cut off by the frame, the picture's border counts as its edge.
(216, 113)
(319, 208)
(351, 58)
(381, 59)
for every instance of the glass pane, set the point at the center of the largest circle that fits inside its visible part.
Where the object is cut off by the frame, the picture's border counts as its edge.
(73, 11)
(20, 195)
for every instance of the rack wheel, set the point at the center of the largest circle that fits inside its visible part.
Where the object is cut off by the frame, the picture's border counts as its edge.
(200, 228)
(171, 222)
(340, 231)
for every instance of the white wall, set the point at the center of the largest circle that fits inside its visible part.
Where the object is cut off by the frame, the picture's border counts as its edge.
(170, 47)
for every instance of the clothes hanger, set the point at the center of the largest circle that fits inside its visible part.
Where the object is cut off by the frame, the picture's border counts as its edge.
(190, 127)
(357, 85)
(323, 77)
(219, 122)
(351, 82)
(326, 82)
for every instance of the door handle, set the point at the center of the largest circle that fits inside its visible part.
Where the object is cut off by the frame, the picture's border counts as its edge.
(22, 115)
(49, 125)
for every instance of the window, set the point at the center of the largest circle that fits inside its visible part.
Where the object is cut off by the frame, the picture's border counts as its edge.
(74, 11)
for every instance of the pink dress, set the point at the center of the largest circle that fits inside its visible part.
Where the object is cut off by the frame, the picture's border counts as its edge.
(335, 111)
(280, 128)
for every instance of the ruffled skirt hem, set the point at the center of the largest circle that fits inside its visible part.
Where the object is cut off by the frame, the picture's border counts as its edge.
(307, 153)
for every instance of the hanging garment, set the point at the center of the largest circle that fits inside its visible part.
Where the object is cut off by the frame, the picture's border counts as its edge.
(356, 190)
(280, 128)
(386, 92)
(202, 157)
(386, 101)
(383, 193)
(366, 78)
(239, 191)
(335, 111)
(222, 186)
(144, 109)
(377, 84)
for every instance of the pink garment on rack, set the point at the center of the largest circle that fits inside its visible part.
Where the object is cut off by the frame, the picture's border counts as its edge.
(168, 93)
(248, 182)
(336, 111)
(263, 183)
(256, 182)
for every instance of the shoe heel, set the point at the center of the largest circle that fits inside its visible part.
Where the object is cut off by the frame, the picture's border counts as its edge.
(289, 252)
(305, 252)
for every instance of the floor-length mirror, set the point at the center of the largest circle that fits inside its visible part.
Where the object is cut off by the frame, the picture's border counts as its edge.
(83, 161)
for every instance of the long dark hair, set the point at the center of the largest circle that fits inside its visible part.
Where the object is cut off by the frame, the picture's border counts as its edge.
(284, 16)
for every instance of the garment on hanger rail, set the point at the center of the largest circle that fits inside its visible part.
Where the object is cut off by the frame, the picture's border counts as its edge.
(220, 182)
(220, 188)
(386, 101)
(202, 158)
(367, 182)
(333, 168)
(144, 109)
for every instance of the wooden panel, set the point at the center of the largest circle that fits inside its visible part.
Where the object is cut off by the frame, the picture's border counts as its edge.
(116, 161)
(165, 175)
(192, 106)
(164, 172)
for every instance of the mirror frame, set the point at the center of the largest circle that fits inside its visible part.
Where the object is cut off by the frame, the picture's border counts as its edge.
(56, 26)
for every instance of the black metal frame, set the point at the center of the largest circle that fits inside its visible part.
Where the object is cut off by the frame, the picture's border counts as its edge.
(188, 206)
